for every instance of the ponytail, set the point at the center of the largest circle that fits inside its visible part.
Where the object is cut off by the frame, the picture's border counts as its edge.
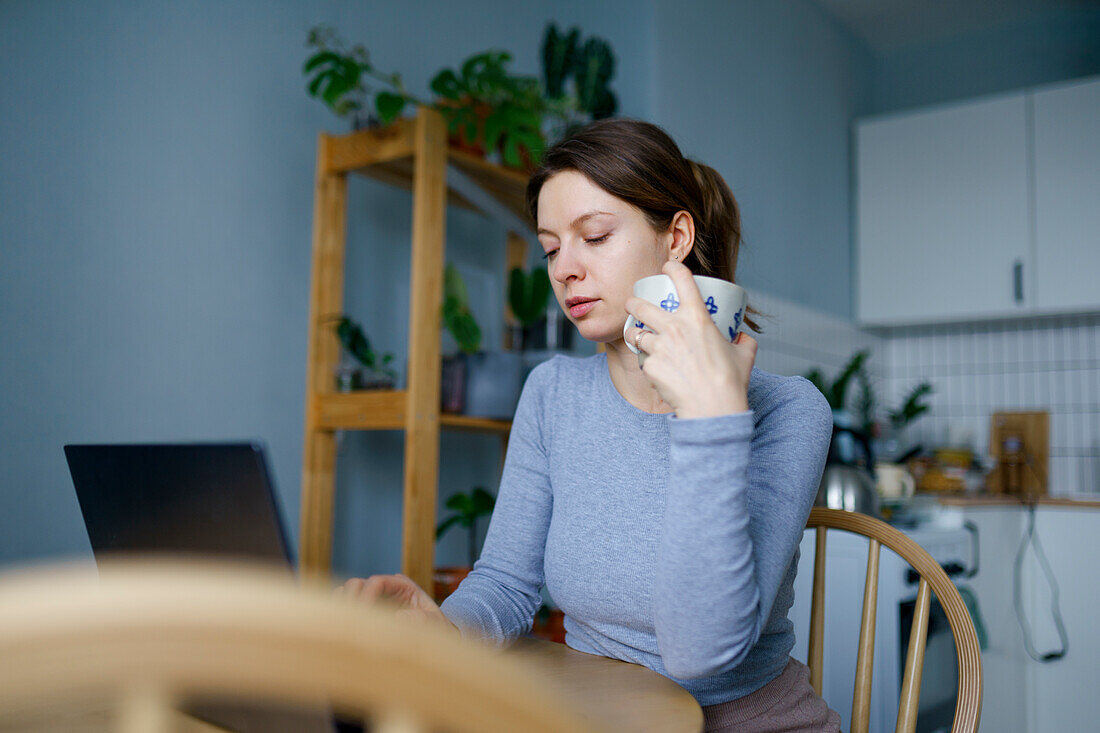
(717, 230)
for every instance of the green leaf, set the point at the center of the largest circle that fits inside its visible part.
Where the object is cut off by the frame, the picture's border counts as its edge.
(321, 57)
(912, 407)
(494, 128)
(453, 286)
(389, 106)
(355, 341)
(445, 525)
(446, 84)
(316, 84)
(482, 502)
(558, 52)
(460, 503)
(840, 386)
(517, 293)
(528, 295)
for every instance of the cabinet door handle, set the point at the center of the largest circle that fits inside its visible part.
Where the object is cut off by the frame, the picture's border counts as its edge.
(1018, 280)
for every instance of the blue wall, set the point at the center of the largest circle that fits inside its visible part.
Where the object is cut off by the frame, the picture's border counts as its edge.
(765, 92)
(156, 182)
(156, 167)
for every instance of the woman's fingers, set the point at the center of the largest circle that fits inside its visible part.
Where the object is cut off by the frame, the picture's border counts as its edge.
(381, 587)
(654, 317)
(690, 297)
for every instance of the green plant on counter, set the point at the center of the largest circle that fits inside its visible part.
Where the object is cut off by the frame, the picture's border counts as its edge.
(528, 294)
(458, 319)
(912, 407)
(865, 403)
(467, 508)
(837, 392)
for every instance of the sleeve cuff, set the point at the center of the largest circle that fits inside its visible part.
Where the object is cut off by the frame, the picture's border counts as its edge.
(708, 430)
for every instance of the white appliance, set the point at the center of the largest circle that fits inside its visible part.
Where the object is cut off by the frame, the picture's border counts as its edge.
(845, 575)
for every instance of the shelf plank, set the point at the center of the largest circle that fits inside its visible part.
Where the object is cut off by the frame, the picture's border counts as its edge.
(386, 154)
(363, 410)
(506, 185)
(365, 148)
(385, 410)
(475, 424)
(398, 173)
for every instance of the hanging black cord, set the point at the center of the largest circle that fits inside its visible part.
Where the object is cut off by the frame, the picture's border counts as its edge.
(1031, 537)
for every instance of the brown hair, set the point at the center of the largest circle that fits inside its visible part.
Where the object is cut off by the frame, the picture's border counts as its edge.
(641, 164)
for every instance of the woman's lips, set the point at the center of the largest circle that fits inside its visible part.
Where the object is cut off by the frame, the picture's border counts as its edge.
(578, 310)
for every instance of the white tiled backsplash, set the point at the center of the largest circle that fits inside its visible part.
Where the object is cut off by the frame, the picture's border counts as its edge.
(1051, 364)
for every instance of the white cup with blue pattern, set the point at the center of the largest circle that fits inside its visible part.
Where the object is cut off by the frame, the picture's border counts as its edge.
(725, 301)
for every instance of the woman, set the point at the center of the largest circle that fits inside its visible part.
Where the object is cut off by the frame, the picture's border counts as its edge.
(662, 506)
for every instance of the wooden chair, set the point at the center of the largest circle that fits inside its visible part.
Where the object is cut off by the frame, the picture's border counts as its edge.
(932, 580)
(150, 637)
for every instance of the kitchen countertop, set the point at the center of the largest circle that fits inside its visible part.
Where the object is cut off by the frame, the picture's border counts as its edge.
(976, 500)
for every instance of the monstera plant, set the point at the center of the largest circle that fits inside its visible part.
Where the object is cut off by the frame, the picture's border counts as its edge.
(488, 108)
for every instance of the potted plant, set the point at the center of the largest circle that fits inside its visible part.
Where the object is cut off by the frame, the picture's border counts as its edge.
(488, 109)
(576, 75)
(338, 80)
(910, 409)
(864, 406)
(491, 380)
(365, 369)
(459, 321)
(467, 509)
(528, 295)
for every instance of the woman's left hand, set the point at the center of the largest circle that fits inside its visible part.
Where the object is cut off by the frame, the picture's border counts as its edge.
(688, 361)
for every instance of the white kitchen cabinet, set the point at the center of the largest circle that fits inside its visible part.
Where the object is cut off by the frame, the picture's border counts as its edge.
(942, 219)
(1067, 197)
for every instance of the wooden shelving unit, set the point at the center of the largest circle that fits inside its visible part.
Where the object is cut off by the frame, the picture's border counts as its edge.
(411, 153)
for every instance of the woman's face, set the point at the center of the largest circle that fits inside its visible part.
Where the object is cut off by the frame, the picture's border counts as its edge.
(598, 246)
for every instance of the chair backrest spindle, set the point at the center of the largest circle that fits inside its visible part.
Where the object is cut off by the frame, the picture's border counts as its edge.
(914, 662)
(861, 694)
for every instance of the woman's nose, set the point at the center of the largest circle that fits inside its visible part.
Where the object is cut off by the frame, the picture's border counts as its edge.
(566, 265)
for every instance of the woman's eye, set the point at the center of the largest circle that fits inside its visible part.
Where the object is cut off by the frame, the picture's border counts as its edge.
(597, 240)
(548, 255)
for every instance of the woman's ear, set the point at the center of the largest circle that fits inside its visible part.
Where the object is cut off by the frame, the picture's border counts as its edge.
(682, 236)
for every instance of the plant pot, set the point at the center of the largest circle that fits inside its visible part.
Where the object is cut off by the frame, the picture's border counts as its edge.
(553, 331)
(350, 378)
(493, 383)
(457, 140)
(452, 386)
(549, 624)
(527, 162)
(445, 580)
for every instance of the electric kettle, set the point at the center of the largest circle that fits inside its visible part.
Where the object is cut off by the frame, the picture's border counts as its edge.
(846, 485)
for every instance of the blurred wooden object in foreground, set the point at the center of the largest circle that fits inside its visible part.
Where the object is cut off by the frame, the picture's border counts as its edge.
(127, 649)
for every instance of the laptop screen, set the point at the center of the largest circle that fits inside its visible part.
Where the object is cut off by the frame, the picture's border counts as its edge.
(213, 499)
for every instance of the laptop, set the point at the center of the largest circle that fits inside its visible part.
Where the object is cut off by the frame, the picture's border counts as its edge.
(198, 499)
(207, 499)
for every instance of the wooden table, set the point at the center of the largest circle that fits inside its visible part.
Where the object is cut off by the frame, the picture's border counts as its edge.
(617, 696)
(626, 697)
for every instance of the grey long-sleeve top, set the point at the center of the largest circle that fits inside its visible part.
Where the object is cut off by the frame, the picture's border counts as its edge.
(669, 543)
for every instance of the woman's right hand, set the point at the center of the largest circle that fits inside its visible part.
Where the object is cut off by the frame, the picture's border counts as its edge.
(399, 590)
